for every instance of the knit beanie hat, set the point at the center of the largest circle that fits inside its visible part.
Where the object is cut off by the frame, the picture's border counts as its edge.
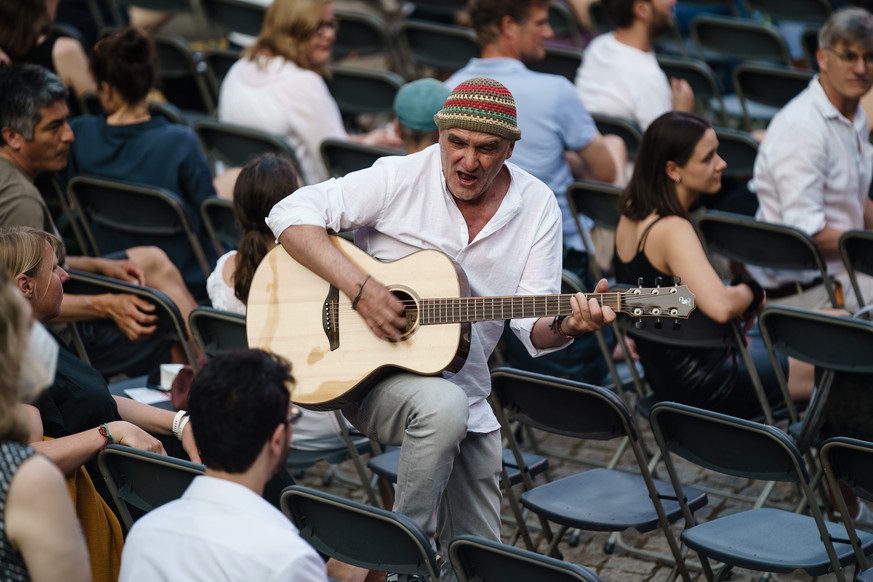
(480, 104)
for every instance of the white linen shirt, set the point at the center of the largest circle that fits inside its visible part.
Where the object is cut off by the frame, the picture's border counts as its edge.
(813, 168)
(623, 81)
(275, 95)
(402, 205)
(218, 531)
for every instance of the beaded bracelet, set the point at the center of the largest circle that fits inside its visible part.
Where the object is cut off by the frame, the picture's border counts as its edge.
(103, 429)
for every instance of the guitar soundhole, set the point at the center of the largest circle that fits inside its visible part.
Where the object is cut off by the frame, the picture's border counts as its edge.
(411, 312)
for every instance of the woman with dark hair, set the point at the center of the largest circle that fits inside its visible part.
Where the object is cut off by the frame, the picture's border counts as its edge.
(262, 183)
(129, 145)
(278, 85)
(678, 163)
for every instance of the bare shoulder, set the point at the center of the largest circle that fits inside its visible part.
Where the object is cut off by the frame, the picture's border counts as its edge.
(66, 46)
(36, 476)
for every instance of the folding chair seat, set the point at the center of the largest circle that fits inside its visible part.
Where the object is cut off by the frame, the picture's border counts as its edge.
(856, 249)
(475, 558)
(559, 61)
(181, 78)
(170, 324)
(359, 91)
(763, 245)
(139, 481)
(763, 539)
(231, 145)
(361, 34)
(762, 90)
(358, 534)
(595, 500)
(441, 47)
(220, 224)
(118, 215)
(849, 461)
(626, 129)
(342, 156)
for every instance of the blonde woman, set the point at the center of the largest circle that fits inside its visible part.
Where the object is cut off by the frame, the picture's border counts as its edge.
(278, 85)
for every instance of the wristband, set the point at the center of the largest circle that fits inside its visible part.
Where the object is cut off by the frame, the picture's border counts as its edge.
(182, 426)
(757, 291)
(358, 296)
(176, 422)
(103, 429)
(555, 326)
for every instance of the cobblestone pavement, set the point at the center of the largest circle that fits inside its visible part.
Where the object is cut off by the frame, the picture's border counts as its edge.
(621, 565)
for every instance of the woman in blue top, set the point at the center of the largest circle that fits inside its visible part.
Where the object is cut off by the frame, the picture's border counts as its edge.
(129, 145)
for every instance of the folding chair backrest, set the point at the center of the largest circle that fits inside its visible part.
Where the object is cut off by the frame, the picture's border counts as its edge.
(851, 462)
(181, 79)
(234, 145)
(762, 244)
(597, 201)
(359, 534)
(856, 248)
(701, 78)
(808, 11)
(729, 445)
(734, 39)
(139, 481)
(475, 558)
(626, 129)
(357, 90)
(170, 323)
(364, 34)
(439, 46)
(564, 24)
(218, 62)
(117, 216)
(561, 406)
(220, 223)
(559, 61)
(342, 156)
(769, 85)
(236, 15)
(215, 330)
(739, 149)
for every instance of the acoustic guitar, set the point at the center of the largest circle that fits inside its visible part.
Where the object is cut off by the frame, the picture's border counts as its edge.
(334, 355)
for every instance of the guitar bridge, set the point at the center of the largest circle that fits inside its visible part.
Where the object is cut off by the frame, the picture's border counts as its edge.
(330, 317)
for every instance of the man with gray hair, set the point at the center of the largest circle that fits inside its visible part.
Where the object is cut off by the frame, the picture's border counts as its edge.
(813, 170)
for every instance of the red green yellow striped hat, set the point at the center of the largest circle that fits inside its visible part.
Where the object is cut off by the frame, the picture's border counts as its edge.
(480, 104)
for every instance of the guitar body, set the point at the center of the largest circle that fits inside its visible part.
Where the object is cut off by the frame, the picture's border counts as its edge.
(334, 355)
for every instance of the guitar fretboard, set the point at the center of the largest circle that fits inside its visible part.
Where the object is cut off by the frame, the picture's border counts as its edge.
(470, 309)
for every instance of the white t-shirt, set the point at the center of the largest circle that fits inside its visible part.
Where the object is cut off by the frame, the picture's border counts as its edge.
(623, 81)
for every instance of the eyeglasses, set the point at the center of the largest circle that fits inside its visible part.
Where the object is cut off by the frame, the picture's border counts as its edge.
(851, 57)
(294, 415)
(326, 25)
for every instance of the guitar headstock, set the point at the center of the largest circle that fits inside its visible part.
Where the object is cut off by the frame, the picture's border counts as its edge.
(669, 302)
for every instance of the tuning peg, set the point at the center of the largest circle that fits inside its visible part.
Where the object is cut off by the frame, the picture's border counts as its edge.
(677, 280)
(657, 281)
(640, 324)
(658, 324)
(639, 282)
(676, 325)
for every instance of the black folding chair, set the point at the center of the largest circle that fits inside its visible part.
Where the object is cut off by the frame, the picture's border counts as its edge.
(342, 156)
(140, 481)
(856, 249)
(220, 224)
(359, 534)
(763, 538)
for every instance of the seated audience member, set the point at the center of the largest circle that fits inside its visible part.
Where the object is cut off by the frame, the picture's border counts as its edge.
(222, 528)
(40, 537)
(620, 75)
(414, 107)
(262, 183)
(676, 165)
(77, 410)
(813, 170)
(35, 138)
(129, 145)
(283, 74)
(42, 44)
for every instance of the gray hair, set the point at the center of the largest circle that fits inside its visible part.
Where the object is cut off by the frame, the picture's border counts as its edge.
(24, 91)
(849, 25)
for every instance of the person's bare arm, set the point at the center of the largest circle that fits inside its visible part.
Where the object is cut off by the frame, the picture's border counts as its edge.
(133, 315)
(121, 269)
(156, 421)
(828, 240)
(598, 160)
(42, 524)
(380, 309)
(71, 63)
(868, 214)
(587, 316)
(683, 95)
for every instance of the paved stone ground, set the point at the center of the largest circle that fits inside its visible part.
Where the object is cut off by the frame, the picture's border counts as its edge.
(620, 566)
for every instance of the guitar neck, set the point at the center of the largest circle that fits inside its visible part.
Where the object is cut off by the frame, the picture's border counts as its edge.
(470, 309)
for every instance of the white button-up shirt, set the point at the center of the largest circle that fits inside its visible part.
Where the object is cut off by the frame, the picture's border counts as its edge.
(402, 205)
